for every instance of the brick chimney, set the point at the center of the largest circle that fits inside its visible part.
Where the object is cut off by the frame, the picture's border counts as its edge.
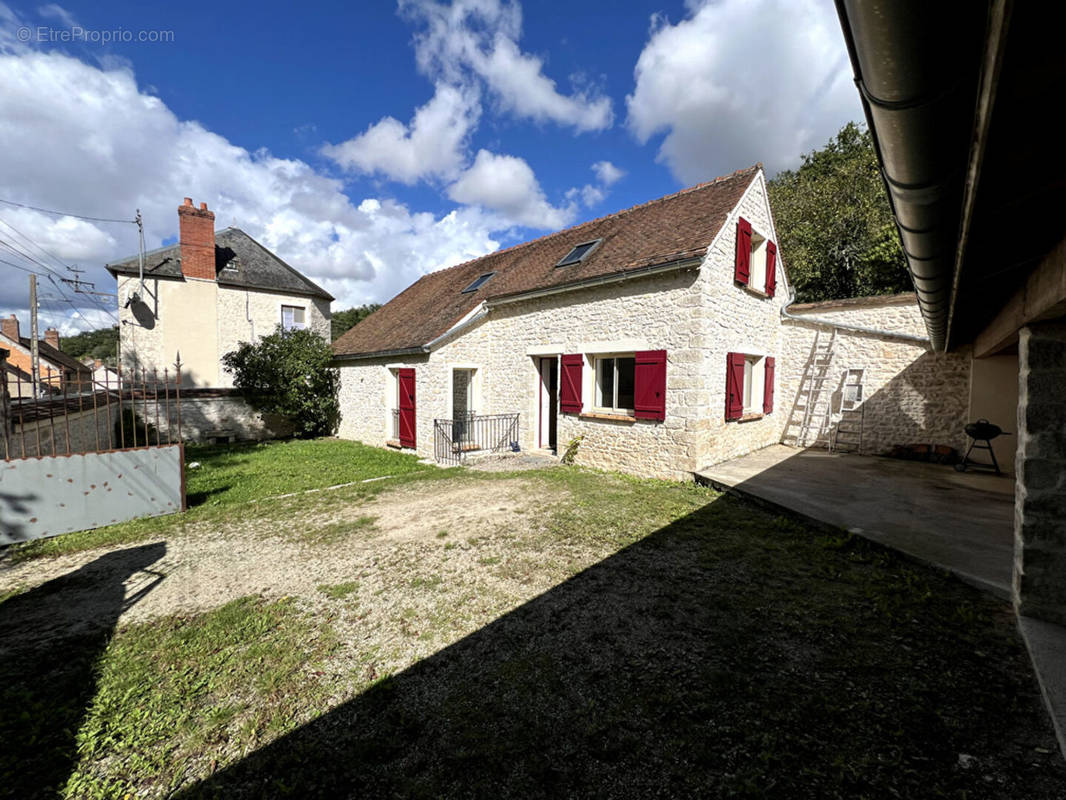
(51, 336)
(196, 233)
(10, 327)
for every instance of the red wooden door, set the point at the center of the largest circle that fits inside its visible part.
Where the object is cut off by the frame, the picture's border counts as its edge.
(407, 407)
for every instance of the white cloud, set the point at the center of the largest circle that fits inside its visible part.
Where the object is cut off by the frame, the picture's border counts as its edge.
(739, 82)
(434, 143)
(473, 40)
(607, 173)
(99, 146)
(506, 184)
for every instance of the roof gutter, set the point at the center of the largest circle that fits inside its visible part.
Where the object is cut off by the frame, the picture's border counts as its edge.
(917, 88)
(617, 277)
(403, 351)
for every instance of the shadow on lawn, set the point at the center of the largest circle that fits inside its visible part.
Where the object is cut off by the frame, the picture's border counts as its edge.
(728, 653)
(50, 640)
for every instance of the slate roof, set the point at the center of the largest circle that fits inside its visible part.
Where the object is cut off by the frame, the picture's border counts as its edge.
(240, 262)
(673, 228)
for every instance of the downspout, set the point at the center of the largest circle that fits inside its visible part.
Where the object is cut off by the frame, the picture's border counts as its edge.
(466, 323)
(906, 337)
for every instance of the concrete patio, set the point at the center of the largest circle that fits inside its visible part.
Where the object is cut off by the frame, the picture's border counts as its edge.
(962, 522)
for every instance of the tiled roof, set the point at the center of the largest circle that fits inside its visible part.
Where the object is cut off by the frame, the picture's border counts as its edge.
(240, 262)
(672, 228)
(902, 299)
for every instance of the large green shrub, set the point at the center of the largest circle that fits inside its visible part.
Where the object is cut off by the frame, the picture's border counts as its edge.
(289, 373)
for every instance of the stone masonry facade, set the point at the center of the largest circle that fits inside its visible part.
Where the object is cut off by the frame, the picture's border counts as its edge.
(1040, 488)
(911, 395)
(699, 316)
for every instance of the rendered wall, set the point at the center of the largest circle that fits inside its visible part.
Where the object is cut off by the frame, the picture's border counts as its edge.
(994, 396)
(47, 496)
(203, 321)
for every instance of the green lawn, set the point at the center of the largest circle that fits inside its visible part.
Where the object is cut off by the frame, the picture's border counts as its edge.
(626, 638)
(228, 475)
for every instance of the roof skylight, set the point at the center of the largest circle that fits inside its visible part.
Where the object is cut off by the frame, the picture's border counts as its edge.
(579, 253)
(480, 281)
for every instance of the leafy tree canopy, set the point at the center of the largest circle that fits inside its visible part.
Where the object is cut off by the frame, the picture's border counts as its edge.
(343, 321)
(835, 224)
(101, 344)
(289, 373)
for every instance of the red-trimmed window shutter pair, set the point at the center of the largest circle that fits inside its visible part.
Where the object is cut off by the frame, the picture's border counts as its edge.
(734, 385)
(649, 384)
(742, 266)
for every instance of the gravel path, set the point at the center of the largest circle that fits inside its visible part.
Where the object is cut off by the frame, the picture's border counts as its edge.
(426, 529)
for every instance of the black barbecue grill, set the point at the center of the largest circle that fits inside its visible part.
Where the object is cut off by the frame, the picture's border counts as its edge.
(982, 433)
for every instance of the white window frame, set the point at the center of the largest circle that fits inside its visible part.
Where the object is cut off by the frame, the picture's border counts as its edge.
(295, 326)
(474, 393)
(597, 394)
(757, 262)
(754, 390)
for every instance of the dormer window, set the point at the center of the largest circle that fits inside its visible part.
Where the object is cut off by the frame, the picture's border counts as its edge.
(579, 253)
(480, 281)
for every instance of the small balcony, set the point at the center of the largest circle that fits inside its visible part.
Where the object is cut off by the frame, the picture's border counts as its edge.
(472, 432)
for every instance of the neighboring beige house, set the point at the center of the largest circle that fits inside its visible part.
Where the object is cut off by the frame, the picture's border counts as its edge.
(663, 335)
(206, 293)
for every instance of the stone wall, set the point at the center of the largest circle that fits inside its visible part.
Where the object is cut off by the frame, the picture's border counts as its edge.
(911, 394)
(89, 431)
(206, 416)
(1040, 488)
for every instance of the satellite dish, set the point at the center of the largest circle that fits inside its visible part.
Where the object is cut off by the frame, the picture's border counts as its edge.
(129, 297)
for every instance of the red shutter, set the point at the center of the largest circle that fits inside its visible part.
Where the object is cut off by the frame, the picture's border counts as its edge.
(768, 387)
(407, 407)
(734, 386)
(570, 384)
(649, 384)
(743, 264)
(771, 268)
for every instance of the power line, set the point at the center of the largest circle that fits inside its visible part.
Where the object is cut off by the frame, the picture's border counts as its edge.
(67, 214)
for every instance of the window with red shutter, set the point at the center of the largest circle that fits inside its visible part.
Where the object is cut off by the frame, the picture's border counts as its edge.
(734, 386)
(768, 387)
(771, 268)
(742, 269)
(570, 383)
(650, 385)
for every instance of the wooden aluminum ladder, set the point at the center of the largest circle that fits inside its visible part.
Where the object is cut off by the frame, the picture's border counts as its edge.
(818, 403)
(847, 431)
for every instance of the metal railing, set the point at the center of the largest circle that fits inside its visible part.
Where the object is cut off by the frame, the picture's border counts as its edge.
(471, 432)
(395, 436)
(71, 412)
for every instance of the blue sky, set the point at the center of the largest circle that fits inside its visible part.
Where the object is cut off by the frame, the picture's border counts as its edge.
(370, 143)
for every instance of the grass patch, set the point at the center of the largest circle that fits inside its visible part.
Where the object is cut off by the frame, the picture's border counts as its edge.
(334, 532)
(230, 476)
(171, 699)
(338, 591)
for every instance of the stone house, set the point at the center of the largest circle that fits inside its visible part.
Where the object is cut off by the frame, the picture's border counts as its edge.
(663, 336)
(652, 333)
(204, 294)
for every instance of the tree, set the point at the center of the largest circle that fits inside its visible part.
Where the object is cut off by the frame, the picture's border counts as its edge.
(101, 344)
(343, 321)
(835, 224)
(289, 373)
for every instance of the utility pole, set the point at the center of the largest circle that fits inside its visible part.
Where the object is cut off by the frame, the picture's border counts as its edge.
(35, 356)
